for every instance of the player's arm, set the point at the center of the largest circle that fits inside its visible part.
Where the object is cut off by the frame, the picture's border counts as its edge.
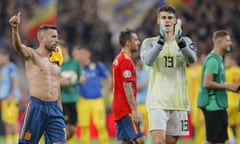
(210, 83)
(25, 51)
(212, 68)
(189, 50)
(106, 77)
(127, 86)
(108, 85)
(149, 51)
(185, 44)
(152, 46)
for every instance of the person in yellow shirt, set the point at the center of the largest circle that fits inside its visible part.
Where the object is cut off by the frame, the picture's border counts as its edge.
(10, 95)
(233, 76)
(142, 87)
(97, 85)
(193, 79)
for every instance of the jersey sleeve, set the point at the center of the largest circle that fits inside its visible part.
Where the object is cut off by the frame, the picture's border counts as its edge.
(212, 66)
(149, 50)
(190, 50)
(102, 70)
(126, 71)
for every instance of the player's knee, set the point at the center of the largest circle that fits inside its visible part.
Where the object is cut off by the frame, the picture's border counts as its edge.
(159, 141)
(140, 140)
(171, 139)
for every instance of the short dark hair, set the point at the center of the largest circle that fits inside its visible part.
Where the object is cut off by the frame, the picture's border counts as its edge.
(219, 34)
(125, 36)
(46, 27)
(169, 9)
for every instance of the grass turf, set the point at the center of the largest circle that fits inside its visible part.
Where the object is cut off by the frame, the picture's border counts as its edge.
(112, 141)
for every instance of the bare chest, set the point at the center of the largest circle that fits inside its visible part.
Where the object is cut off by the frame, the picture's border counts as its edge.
(42, 68)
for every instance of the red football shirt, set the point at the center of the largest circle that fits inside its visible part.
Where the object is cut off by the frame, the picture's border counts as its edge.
(123, 70)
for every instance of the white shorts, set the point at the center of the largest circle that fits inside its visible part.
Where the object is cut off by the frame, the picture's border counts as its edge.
(174, 123)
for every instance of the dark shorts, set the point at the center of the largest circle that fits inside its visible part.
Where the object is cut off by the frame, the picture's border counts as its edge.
(216, 125)
(70, 113)
(127, 130)
(42, 117)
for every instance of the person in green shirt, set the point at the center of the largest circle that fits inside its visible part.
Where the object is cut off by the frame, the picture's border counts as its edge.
(70, 73)
(212, 98)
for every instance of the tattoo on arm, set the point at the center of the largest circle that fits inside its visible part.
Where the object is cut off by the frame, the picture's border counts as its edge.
(129, 94)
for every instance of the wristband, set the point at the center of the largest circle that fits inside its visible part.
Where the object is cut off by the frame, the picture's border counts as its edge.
(182, 44)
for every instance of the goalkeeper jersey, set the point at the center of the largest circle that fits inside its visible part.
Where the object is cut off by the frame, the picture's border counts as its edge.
(167, 81)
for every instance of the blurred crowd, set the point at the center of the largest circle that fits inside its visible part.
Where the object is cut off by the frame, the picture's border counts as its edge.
(79, 24)
(200, 19)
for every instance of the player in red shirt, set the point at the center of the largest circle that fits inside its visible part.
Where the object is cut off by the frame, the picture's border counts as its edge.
(124, 106)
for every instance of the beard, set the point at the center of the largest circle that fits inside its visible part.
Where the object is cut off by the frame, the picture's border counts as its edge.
(50, 48)
(227, 50)
(134, 50)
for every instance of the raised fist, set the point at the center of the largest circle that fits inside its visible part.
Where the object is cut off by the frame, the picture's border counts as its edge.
(14, 21)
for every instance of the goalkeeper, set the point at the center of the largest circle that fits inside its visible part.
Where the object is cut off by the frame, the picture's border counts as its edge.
(167, 100)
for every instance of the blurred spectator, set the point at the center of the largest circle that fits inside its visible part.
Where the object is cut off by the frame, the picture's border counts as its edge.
(79, 23)
(142, 87)
(69, 79)
(10, 95)
(91, 104)
(233, 76)
(194, 72)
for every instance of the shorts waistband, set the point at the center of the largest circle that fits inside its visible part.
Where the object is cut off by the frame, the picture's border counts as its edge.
(36, 100)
